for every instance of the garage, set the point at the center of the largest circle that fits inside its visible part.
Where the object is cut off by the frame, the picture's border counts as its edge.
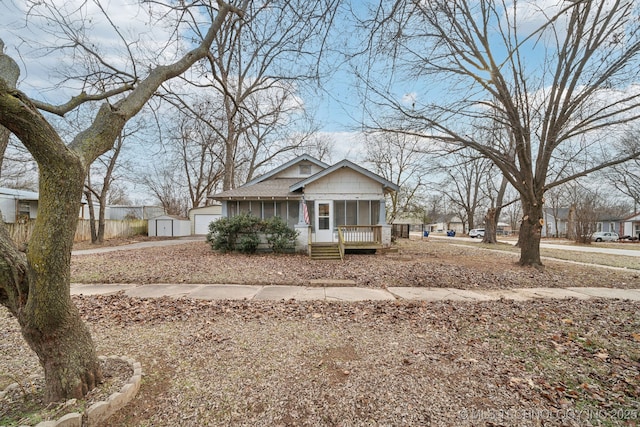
(169, 226)
(201, 223)
(202, 216)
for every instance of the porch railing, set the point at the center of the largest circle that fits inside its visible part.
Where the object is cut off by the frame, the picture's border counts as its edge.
(360, 235)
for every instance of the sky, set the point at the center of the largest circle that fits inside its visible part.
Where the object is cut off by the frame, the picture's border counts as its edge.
(338, 107)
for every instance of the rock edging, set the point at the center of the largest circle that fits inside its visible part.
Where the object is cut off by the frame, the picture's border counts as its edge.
(100, 411)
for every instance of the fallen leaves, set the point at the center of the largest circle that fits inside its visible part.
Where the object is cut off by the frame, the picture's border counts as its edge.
(420, 263)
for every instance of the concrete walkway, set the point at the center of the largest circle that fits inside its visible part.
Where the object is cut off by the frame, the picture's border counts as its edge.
(348, 293)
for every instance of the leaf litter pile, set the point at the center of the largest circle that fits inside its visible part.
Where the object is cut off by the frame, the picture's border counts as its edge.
(291, 363)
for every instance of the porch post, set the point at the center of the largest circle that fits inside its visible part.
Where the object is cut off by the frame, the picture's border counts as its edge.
(301, 213)
(224, 209)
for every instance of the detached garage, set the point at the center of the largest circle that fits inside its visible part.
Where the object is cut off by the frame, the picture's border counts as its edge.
(202, 217)
(169, 226)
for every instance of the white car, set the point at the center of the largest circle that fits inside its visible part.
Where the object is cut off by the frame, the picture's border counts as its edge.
(605, 236)
(476, 232)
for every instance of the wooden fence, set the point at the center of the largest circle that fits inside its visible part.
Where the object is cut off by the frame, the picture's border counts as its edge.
(21, 232)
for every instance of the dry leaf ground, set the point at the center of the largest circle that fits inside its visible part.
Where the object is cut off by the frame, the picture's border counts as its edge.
(219, 363)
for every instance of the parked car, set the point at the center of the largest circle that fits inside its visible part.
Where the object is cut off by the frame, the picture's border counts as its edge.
(476, 232)
(605, 236)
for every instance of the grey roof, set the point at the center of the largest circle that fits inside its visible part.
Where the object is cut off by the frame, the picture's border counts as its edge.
(19, 194)
(388, 185)
(272, 188)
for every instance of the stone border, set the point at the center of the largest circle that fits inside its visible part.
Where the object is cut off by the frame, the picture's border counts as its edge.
(99, 412)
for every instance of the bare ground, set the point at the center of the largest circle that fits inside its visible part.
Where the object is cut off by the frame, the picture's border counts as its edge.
(218, 363)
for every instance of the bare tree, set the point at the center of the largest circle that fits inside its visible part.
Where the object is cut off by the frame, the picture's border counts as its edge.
(466, 176)
(35, 284)
(400, 159)
(255, 71)
(564, 90)
(10, 70)
(109, 163)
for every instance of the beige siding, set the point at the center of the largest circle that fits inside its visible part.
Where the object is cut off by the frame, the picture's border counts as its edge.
(294, 171)
(344, 184)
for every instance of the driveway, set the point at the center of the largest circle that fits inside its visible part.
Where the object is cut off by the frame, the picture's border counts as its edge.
(140, 245)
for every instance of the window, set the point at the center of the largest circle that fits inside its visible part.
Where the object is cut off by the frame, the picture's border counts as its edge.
(323, 216)
(305, 169)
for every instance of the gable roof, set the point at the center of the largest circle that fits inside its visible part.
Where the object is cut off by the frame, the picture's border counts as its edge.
(387, 185)
(304, 157)
(270, 186)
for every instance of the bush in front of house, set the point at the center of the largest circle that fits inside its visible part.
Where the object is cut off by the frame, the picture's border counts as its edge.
(279, 236)
(242, 233)
(239, 233)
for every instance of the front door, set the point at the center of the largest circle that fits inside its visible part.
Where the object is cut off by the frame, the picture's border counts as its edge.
(324, 221)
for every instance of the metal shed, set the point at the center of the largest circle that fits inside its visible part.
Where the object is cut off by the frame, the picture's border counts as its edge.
(169, 226)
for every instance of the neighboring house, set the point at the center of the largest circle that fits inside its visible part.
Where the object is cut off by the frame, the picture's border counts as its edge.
(631, 226)
(342, 204)
(442, 225)
(18, 205)
(556, 222)
(201, 217)
(615, 225)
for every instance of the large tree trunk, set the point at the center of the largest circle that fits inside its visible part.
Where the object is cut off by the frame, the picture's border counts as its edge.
(35, 286)
(530, 234)
(49, 321)
(490, 223)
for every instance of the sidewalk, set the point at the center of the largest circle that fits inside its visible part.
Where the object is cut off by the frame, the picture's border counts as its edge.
(347, 293)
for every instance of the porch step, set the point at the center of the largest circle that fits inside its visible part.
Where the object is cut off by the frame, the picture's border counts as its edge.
(325, 251)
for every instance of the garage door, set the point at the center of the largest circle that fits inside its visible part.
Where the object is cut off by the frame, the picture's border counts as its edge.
(201, 223)
(164, 227)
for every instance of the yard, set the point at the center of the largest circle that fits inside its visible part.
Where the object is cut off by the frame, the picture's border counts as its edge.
(543, 362)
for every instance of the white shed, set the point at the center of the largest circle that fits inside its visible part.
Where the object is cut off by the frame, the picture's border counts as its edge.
(202, 217)
(169, 226)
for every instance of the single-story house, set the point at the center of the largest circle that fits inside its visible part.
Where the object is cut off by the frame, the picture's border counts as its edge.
(201, 217)
(18, 205)
(630, 226)
(556, 222)
(341, 205)
(444, 224)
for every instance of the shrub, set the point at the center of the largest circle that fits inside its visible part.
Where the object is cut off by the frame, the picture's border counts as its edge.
(237, 233)
(279, 236)
(241, 233)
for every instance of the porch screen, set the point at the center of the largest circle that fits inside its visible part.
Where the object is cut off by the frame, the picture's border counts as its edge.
(356, 212)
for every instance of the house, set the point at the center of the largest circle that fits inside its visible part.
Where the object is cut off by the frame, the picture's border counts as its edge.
(630, 226)
(18, 205)
(444, 224)
(340, 206)
(201, 217)
(611, 224)
(556, 222)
